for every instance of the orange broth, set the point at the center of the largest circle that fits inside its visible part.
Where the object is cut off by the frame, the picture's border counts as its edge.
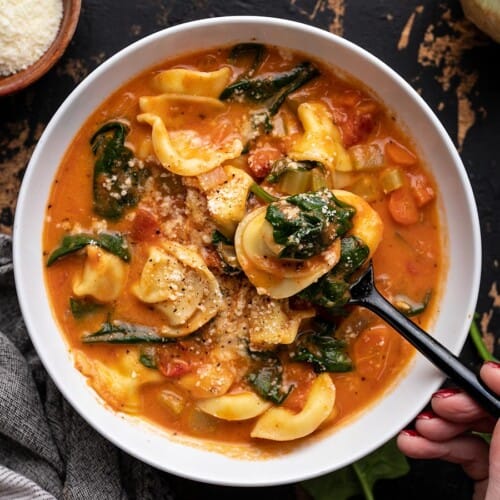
(409, 259)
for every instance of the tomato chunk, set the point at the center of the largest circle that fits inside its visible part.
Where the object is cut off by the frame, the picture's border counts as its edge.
(261, 159)
(145, 226)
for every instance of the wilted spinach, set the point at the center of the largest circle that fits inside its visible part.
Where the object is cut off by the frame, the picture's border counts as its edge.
(319, 347)
(266, 376)
(117, 178)
(271, 90)
(307, 223)
(111, 242)
(332, 289)
(226, 252)
(82, 307)
(120, 332)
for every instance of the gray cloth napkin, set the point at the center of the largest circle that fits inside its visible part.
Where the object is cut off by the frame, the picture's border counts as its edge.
(47, 450)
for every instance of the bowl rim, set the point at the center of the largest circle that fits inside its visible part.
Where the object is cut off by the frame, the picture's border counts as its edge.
(432, 378)
(15, 82)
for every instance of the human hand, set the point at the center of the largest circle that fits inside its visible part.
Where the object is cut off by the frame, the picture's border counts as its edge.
(446, 433)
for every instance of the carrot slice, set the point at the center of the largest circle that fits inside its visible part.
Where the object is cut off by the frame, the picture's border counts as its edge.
(403, 207)
(397, 153)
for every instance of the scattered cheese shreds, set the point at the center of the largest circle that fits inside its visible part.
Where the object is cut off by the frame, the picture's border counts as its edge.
(27, 29)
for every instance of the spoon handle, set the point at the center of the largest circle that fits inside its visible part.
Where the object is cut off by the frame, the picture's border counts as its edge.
(446, 361)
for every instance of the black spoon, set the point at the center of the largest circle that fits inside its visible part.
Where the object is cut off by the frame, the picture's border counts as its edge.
(364, 293)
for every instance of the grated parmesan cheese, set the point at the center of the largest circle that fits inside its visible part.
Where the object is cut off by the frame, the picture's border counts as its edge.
(27, 29)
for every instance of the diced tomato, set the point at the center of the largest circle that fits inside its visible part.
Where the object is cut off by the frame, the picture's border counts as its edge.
(356, 128)
(145, 226)
(421, 188)
(403, 207)
(261, 159)
(398, 154)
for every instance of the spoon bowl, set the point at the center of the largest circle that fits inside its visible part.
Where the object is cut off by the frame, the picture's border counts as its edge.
(364, 293)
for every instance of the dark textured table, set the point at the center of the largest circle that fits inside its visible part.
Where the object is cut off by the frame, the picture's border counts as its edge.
(451, 64)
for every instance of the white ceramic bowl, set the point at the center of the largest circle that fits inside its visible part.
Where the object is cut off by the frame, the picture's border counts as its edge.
(390, 413)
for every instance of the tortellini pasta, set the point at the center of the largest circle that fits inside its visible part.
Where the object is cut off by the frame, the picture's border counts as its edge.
(321, 140)
(272, 322)
(280, 424)
(177, 281)
(103, 277)
(118, 384)
(226, 202)
(367, 224)
(236, 406)
(278, 278)
(192, 82)
(187, 161)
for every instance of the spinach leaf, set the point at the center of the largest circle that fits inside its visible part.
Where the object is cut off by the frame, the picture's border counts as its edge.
(111, 242)
(226, 252)
(262, 194)
(272, 90)
(285, 165)
(147, 356)
(318, 347)
(332, 289)
(266, 377)
(387, 462)
(307, 223)
(253, 51)
(117, 178)
(119, 332)
(82, 307)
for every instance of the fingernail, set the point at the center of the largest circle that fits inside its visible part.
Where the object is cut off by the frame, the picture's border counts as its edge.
(426, 415)
(446, 393)
(493, 364)
(410, 433)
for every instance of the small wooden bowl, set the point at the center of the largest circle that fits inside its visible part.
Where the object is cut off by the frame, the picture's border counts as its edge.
(20, 80)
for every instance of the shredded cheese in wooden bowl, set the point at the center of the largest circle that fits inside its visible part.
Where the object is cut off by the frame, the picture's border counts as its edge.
(33, 36)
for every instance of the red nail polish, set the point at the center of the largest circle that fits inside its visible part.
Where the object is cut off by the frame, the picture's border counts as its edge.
(446, 393)
(410, 432)
(493, 364)
(426, 415)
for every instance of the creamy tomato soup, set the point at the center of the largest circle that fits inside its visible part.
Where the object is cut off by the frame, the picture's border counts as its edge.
(202, 232)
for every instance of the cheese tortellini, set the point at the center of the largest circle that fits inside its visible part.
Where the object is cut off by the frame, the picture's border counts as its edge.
(272, 321)
(278, 278)
(118, 384)
(177, 281)
(103, 277)
(188, 161)
(236, 406)
(226, 202)
(367, 224)
(280, 424)
(321, 140)
(192, 82)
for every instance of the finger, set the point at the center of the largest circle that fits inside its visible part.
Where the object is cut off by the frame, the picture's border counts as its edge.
(490, 373)
(456, 406)
(494, 483)
(431, 426)
(468, 451)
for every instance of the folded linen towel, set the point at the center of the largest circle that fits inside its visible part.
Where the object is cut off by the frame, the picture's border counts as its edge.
(47, 450)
